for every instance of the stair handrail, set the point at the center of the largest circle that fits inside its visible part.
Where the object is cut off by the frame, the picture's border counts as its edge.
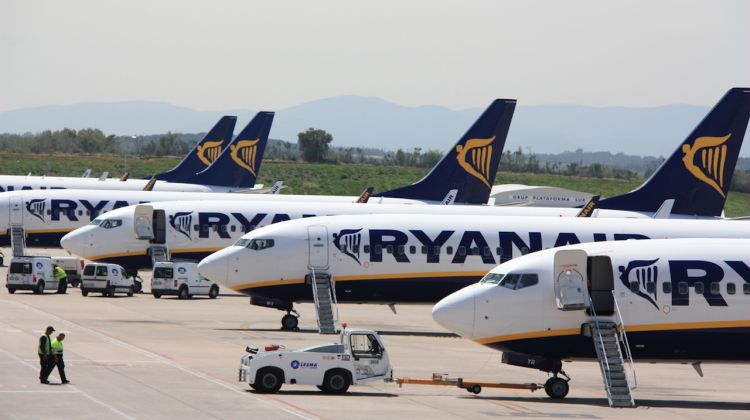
(334, 301)
(627, 344)
(603, 349)
(315, 296)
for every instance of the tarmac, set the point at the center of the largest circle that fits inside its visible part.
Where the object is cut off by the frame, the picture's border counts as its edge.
(142, 357)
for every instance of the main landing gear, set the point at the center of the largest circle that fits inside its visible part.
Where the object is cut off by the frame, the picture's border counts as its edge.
(290, 322)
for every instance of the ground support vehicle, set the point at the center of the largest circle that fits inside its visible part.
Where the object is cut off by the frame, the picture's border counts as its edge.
(358, 357)
(181, 279)
(107, 279)
(33, 273)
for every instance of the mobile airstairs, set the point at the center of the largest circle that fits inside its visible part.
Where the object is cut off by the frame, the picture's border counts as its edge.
(324, 296)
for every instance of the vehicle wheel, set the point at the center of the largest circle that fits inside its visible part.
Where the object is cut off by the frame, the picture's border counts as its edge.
(74, 283)
(289, 322)
(190, 296)
(138, 287)
(475, 389)
(183, 293)
(336, 381)
(39, 288)
(268, 381)
(84, 292)
(62, 287)
(213, 292)
(131, 291)
(556, 387)
(157, 295)
(11, 290)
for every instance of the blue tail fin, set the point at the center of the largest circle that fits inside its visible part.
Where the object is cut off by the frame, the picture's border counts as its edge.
(239, 164)
(698, 174)
(204, 153)
(471, 165)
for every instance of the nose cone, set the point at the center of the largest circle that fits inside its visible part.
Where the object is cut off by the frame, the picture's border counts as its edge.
(455, 312)
(215, 267)
(73, 243)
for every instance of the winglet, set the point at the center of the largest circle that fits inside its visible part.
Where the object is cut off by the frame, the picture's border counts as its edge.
(365, 196)
(150, 184)
(588, 209)
(276, 187)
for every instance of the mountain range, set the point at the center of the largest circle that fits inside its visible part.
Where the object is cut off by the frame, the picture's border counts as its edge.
(357, 121)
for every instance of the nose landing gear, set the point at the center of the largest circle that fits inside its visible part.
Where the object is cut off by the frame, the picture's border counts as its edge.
(290, 322)
(557, 387)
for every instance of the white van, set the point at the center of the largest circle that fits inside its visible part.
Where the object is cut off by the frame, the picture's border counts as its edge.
(181, 279)
(33, 273)
(73, 267)
(106, 279)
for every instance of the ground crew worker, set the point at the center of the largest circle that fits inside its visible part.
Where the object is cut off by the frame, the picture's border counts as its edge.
(46, 360)
(62, 277)
(57, 351)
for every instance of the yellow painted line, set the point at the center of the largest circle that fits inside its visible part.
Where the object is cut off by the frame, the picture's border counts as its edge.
(629, 328)
(441, 274)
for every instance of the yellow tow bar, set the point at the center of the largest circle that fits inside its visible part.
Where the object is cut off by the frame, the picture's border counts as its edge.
(442, 379)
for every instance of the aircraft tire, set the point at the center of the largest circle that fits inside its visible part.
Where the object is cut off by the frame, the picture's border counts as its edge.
(556, 388)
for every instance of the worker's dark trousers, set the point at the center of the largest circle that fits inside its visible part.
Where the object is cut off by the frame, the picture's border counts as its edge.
(61, 368)
(46, 363)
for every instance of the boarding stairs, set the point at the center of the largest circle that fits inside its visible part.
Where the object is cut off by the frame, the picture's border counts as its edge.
(17, 240)
(324, 295)
(608, 335)
(158, 253)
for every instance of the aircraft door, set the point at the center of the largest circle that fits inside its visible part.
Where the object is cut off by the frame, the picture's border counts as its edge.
(160, 227)
(317, 237)
(601, 285)
(16, 210)
(570, 279)
(142, 222)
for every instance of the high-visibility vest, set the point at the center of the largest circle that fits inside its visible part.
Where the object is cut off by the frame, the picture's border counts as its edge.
(60, 274)
(57, 347)
(47, 350)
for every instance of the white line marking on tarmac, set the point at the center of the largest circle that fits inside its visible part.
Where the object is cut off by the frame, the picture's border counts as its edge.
(162, 359)
(83, 393)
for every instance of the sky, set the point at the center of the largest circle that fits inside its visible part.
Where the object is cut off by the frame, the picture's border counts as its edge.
(230, 54)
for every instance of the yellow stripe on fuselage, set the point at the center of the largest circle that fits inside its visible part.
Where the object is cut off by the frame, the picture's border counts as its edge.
(396, 276)
(144, 252)
(33, 231)
(629, 328)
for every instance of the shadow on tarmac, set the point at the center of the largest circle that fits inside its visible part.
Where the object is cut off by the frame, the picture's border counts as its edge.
(602, 402)
(322, 394)
(380, 332)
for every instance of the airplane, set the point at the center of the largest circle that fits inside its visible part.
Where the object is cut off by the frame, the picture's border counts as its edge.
(668, 301)
(226, 173)
(406, 258)
(72, 209)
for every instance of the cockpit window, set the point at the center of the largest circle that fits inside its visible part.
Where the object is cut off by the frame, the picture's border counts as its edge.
(492, 278)
(111, 223)
(258, 244)
(242, 242)
(96, 222)
(514, 281)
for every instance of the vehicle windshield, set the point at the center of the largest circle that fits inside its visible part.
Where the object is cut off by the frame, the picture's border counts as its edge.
(242, 242)
(110, 223)
(20, 268)
(89, 270)
(163, 272)
(258, 244)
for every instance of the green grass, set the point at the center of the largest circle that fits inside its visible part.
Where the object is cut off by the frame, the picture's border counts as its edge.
(307, 178)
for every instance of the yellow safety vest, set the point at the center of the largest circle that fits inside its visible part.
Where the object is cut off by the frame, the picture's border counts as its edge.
(47, 350)
(57, 347)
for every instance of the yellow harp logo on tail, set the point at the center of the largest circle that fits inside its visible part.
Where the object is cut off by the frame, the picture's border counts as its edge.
(209, 151)
(706, 158)
(475, 156)
(243, 154)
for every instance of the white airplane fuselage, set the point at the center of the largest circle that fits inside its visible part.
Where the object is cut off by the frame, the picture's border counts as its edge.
(20, 183)
(677, 299)
(415, 258)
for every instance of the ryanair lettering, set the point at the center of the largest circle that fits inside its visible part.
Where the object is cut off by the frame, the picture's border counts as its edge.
(70, 209)
(708, 165)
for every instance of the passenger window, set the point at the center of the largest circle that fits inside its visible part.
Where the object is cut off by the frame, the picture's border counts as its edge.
(412, 249)
(682, 288)
(234, 228)
(400, 250)
(651, 287)
(475, 250)
(666, 287)
(378, 249)
(436, 250)
(80, 212)
(731, 288)
(634, 287)
(715, 288)
(196, 228)
(449, 250)
(524, 250)
(461, 251)
(486, 251)
(698, 287)
(499, 252)
(746, 288)
(367, 249)
(389, 249)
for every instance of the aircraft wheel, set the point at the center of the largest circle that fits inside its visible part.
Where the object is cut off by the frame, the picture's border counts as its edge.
(556, 388)
(289, 322)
